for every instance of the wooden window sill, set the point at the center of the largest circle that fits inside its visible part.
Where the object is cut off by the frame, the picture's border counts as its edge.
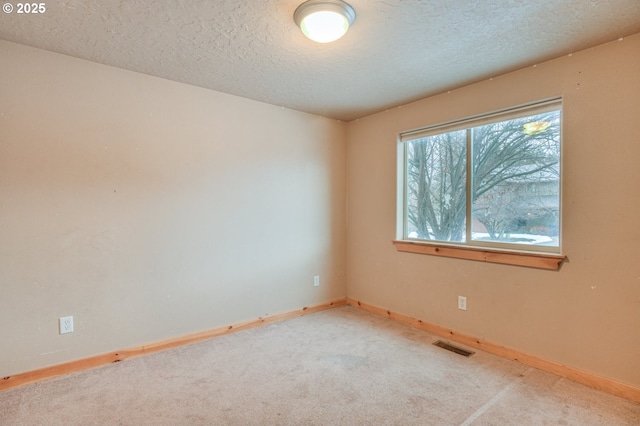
(529, 259)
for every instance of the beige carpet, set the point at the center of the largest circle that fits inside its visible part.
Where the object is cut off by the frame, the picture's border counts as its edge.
(338, 367)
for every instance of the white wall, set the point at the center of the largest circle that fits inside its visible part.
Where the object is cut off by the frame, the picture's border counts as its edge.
(149, 209)
(587, 315)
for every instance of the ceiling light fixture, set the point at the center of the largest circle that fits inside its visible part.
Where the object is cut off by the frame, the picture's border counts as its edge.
(324, 21)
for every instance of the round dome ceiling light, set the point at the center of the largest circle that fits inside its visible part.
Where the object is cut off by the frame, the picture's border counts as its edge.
(324, 21)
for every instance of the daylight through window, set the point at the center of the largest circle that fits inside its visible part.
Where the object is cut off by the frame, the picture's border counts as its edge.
(488, 181)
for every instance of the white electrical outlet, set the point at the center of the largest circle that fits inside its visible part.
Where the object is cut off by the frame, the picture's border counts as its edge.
(462, 303)
(66, 325)
(316, 281)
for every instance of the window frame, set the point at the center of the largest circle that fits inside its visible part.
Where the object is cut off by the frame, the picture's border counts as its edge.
(547, 257)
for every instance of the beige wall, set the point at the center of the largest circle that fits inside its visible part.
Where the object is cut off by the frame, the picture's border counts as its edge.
(587, 315)
(149, 209)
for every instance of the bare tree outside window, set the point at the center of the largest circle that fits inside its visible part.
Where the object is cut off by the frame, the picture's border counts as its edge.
(436, 187)
(514, 183)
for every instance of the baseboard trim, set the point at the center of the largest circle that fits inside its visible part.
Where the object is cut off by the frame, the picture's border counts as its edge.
(117, 356)
(570, 373)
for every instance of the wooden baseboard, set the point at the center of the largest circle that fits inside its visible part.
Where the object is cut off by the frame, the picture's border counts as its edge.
(570, 373)
(579, 376)
(117, 356)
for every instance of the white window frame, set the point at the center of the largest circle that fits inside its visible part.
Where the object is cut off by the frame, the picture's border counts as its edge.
(551, 104)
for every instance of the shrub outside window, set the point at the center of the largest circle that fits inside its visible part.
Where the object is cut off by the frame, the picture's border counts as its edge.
(488, 181)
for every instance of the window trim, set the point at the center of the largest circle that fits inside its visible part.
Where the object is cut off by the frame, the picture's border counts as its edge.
(519, 111)
(483, 254)
(532, 256)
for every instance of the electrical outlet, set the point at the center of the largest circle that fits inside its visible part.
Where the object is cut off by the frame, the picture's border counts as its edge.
(462, 303)
(316, 281)
(66, 325)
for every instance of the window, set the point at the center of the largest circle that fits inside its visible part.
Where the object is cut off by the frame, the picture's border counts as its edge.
(490, 181)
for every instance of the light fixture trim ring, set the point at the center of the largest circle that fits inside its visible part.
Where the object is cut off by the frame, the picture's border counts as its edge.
(312, 6)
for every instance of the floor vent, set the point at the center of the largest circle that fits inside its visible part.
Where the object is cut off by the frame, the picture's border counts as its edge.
(459, 351)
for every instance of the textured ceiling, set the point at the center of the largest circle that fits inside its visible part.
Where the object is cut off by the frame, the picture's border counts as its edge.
(396, 52)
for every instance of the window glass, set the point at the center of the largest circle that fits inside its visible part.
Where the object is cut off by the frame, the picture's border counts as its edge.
(486, 181)
(436, 187)
(516, 180)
